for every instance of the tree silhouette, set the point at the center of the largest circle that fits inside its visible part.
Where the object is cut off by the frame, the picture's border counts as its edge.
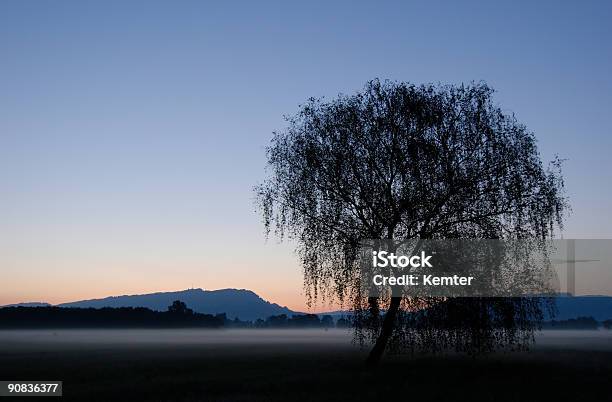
(106, 317)
(179, 308)
(399, 161)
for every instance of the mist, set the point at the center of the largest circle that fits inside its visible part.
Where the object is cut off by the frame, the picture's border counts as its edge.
(244, 340)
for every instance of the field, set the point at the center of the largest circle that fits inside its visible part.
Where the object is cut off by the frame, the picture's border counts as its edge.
(296, 365)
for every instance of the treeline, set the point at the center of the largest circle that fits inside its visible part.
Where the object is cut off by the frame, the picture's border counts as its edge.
(178, 315)
(577, 323)
(301, 321)
(285, 321)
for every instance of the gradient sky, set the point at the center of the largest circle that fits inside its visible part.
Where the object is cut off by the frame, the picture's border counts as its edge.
(132, 133)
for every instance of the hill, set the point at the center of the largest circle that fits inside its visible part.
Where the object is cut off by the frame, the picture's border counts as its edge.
(236, 303)
(30, 304)
(248, 306)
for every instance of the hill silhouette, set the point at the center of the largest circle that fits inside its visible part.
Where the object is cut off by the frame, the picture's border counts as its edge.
(248, 306)
(235, 303)
(29, 304)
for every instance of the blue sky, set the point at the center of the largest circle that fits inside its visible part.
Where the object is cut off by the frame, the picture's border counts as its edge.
(132, 133)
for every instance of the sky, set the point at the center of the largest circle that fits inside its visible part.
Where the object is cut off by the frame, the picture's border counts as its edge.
(133, 132)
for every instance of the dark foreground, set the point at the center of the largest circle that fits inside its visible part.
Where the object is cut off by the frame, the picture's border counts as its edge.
(296, 365)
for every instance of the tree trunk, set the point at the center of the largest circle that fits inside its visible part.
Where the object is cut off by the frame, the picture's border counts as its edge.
(387, 329)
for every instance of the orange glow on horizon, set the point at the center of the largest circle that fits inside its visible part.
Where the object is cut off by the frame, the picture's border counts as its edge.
(294, 301)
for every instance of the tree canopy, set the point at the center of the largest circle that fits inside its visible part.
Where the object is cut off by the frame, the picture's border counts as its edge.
(401, 161)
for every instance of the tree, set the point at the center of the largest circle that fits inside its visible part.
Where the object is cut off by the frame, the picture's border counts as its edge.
(399, 161)
(179, 308)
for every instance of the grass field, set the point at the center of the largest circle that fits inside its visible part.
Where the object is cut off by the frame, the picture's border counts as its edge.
(297, 365)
